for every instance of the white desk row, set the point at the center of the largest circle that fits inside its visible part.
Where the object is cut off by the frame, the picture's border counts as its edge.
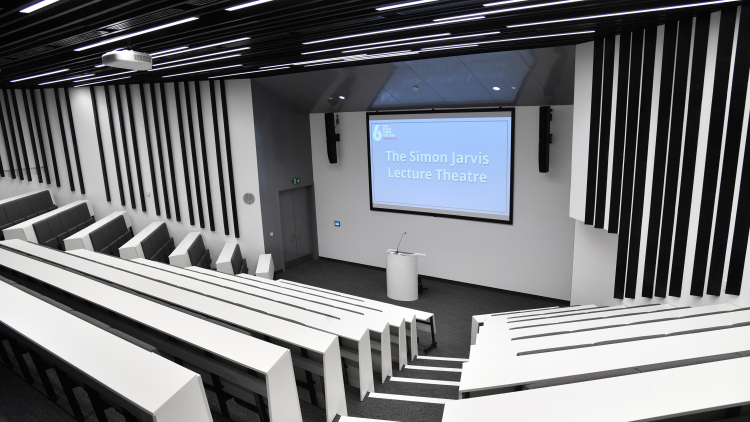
(504, 335)
(82, 239)
(144, 384)
(479, 320)
(272, 361)
(25, 230)
(640, 397)
(577, 316)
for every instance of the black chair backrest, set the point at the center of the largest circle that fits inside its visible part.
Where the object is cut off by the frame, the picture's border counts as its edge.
(236, 260)
(26, 208)
(196, 250)
(158, 245)
(53, 230)
(109, 237)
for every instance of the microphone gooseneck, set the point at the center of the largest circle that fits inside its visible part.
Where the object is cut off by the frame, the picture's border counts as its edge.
(399, 243)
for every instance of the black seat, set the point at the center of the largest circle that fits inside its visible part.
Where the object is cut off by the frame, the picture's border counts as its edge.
(13, 212)
(24, 206)
(42, 231)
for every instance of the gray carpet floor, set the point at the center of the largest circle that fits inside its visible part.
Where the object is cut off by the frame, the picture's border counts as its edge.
(453, 304)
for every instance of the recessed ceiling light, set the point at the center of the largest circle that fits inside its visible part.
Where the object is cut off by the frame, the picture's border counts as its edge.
(396, 6)
(632, 12)
(500, 3)
(204, 55)
(167, 51)
(403, 28)
(244, 5)
(512, 87)
(342, 97)
(145, 31)
(101, 82)
(199, 61)
(496, 88)
(202, 47)
(40, 75)
(99, 65)
(66, 79)
(104, 76)
(37, 6)
(421, 41)
(252, 71)
(512, 9)
(201, 71)
(378, 43)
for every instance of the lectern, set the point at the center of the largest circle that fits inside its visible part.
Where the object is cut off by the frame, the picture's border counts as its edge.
(402, 274)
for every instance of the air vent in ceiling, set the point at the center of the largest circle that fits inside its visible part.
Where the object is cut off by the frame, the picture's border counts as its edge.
(143, 19)
(29, 53)
(79, 38)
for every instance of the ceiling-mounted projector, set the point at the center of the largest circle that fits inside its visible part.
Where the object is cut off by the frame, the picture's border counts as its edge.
(127, 59)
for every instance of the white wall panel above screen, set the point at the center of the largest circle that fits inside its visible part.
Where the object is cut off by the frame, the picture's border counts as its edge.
(451, 164)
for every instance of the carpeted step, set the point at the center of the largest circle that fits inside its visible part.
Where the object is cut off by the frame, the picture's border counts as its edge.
(409, 372)
(418, 389)
(438, 363)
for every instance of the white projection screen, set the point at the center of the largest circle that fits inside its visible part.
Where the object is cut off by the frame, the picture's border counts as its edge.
(456, 163)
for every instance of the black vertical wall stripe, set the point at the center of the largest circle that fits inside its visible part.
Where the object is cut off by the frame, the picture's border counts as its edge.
(136, 153)
(99, 142)
(230, 167)
(157, 132)
(13, 133)
(124, 141)
(669, 207)
(64, 137)
(38, 126)
(629, 165)
(621, 113)
(149, 147)
(7, 141)
(713, 148)
(697, 76)
(606, 124)
(660, 157)
(30, 127)
(219, 164)
(75, 142)
(206, 179)
(168, 139)
(2, 168)
(185, 168)
(641, 162)
(731, 150)
(741, 230)
(21, 138)
(116, 154)
(50, 141)
(196, 172)
(596, 103)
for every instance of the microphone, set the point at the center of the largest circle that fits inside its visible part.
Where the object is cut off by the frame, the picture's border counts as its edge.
(399, 242)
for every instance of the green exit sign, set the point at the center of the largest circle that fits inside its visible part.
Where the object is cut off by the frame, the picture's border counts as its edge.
(296, 181)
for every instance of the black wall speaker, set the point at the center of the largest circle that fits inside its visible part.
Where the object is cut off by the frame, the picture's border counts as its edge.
(331, 138)
(545, 138)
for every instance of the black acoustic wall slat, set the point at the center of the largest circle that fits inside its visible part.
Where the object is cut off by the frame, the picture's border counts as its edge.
(38, 126)
(204, 155)
(697, 76)
(731, 150)
(99, 142)
(230, 168)
(606, 124)
(124, 141)
(136, 153)
(50, 141)
(2, 168)
(21, 138)
(6, 140)
(157, 131)
(682, 68)
(75, 141)
(64, 137)
(713, 148)
(741, 230)
(31, 135)
(168, 139)
(621, 112)
(596, 103)
(185, 168)
(660, 157)
(219, 164)
(115, 152)
(9, 113)
(149, 146)
(194, 155)
(641, 162)
(631, 137)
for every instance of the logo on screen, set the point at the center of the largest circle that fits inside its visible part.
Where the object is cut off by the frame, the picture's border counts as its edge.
(376, 134)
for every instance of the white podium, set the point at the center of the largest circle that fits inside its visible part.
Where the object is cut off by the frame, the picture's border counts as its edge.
(402, 275)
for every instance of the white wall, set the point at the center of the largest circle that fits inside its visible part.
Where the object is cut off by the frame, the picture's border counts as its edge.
(534, 255)
(242, 133)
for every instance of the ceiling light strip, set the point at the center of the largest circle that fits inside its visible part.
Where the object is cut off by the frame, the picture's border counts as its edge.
(367, 57)
(205, 55)
(244, 5)
(66, 79)
(422, 41)
(104, 76)
(101, 82)
(396, 6)
(403, 28)
(199, 61)
(476, 44)
(245, 73)
(167, 51)
(40, 75)
(145, 31)
(378, 43)
(201, 71)
(501, 3)
(449, 47)
(36, 6)
(632, 12)
(512, 9)
(202, 47)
